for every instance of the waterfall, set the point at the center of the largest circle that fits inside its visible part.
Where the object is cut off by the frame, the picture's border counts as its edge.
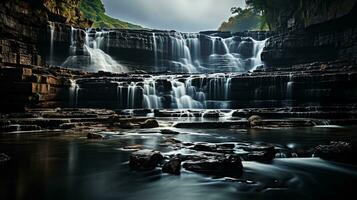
(257, 51)
(183, 53)
(155, 49)
(151, 99)
(90, 56)
(289, 87)
(73, 94)
(131, 96)
(52, 31)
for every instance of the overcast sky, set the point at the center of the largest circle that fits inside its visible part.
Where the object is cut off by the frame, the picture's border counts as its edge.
(181, 15)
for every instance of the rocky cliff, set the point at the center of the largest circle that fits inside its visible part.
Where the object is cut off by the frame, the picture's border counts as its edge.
(23, 24)
(313, 34)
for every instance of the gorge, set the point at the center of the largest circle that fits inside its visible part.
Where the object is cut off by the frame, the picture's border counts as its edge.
(93, 107)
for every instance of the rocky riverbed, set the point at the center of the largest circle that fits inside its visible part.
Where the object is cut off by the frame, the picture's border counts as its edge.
(232, 162)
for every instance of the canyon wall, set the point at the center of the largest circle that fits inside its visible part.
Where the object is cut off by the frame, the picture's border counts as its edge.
(314, 31)
(23, 24)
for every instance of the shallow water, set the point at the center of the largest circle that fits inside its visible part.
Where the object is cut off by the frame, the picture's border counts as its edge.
(63, 167)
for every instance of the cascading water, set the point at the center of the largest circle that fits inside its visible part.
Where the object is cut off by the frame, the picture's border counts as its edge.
(73, 94)
(52, 33)
(174, 92)
(196, 53)
(89, 56)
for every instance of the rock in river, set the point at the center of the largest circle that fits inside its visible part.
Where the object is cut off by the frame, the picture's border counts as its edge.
(96, 136)
(173, 166)
(145, 160)
(150, 123)
(223, 166)
(338, 151)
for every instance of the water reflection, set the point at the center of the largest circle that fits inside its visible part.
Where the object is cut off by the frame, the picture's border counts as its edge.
(60, 168)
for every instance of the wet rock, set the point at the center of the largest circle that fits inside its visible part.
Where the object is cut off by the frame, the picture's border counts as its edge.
(150, 123)
(145, 160)
(96, 136)
(212, 114)
(126, 125)
(204, 147)
(337, 151)
(169, 132)
(4, 157)
(224, 166)
(254, 120)
(173, 166)
(211, 125)
(69, 125)
(260, 152)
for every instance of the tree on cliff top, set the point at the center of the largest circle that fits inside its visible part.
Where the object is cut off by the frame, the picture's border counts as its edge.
(95, 11)
(244, 20)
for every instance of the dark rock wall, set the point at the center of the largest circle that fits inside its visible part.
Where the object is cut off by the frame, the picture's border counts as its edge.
(314, 84)
(319, 35)
(23, 78)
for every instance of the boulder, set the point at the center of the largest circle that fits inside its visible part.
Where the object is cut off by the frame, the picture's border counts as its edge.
(259, 152)
(337, 151)
(173, 166)
(145, 160)
(205, 147)
(254, 120)
(224, 166)
(150, 123)
(211, 114)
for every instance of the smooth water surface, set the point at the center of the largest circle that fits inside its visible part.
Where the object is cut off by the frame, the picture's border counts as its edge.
(66, 167)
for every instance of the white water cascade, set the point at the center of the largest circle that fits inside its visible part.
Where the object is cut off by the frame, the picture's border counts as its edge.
(90, 56)
(186, 52)
(52, 31)
(175, 92)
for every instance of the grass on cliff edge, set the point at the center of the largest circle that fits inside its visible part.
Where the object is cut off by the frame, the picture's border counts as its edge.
(95, 11)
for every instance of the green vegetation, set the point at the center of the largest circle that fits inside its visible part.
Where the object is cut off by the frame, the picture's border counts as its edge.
(277, 13)
(244, 20)
(95, 11)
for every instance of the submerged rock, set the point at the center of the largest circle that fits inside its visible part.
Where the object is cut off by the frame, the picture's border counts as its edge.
(259, 152)
(150, 123)
(173, 166)
(145, 160)
(96, 136)
(169, 132)
(224, 166)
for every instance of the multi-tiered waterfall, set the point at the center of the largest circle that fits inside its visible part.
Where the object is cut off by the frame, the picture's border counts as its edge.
(194, 52)
(209, 58)
(161, 51)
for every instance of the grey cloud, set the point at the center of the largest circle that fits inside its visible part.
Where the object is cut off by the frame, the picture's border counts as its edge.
(182, 15)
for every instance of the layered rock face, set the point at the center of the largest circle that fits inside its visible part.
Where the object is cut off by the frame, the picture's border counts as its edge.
(314, 84)
(324, 32)
(20, 38)
(23, 25)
